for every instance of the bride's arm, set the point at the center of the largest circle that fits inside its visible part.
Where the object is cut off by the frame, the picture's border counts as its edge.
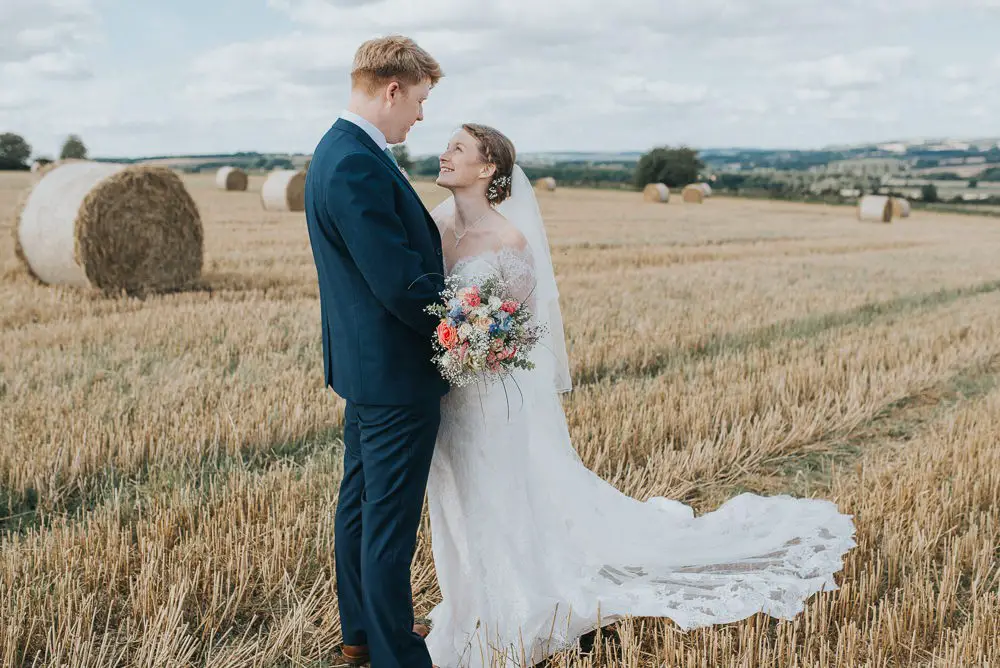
(517, 265)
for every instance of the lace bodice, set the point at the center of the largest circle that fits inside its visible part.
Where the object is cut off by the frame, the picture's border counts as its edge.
(514, 264)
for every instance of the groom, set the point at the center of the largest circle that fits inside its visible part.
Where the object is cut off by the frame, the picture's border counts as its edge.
(378, 258)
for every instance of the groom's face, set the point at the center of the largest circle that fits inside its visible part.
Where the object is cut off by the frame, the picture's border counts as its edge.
(405, 108)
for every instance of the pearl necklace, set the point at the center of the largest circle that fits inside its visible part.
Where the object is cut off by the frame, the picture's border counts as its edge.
(459, 237)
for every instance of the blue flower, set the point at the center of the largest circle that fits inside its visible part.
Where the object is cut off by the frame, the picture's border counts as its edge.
(494, 328)
(507, 324)
(456, 313)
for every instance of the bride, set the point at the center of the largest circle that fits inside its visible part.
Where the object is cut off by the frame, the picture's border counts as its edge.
(531, 548)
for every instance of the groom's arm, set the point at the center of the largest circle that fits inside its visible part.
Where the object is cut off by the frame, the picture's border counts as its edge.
(360, 203)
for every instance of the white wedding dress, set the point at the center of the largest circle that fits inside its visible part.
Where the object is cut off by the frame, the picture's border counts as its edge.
(532, 549)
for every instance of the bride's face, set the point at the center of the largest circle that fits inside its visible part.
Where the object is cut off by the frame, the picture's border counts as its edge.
(461, 164)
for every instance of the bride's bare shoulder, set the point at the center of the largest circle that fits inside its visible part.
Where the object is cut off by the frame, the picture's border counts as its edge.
(509, 235)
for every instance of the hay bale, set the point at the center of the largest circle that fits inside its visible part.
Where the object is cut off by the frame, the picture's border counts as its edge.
(114, 227)
(875, 208)
(546, 183)
(693, 193)
(656, 192)
(284, 190)
(900, 207)
(705, 188)
(231, 178)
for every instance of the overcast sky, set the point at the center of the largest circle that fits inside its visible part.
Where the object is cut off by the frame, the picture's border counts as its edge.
(143, 77)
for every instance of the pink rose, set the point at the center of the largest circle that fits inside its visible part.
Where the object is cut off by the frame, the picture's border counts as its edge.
(493, 362)
(509, 307)
(472, 297)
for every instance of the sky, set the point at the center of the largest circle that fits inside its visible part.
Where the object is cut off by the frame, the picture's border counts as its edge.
(144, 77)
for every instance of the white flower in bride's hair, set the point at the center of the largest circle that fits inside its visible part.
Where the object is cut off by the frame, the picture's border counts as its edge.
(499, 182)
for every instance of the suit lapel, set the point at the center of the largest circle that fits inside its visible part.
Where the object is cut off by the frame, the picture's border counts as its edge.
(370, 144)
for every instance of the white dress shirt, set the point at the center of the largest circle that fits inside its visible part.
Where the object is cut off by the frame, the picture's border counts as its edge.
(369, 129)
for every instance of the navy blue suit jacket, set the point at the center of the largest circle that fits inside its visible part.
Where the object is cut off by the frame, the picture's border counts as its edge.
(379, 264)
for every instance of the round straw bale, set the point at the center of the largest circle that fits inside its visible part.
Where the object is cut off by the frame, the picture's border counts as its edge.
(656, 192)
(231, 178)
(705, 188)
(875, 207)
(693, 193)
(284, 190)
(546, 183)
(900, 207)
(114, 227)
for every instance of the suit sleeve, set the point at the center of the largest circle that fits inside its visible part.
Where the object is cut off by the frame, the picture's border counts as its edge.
(360, 204)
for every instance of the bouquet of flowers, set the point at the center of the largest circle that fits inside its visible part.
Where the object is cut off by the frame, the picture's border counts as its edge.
(483, 332)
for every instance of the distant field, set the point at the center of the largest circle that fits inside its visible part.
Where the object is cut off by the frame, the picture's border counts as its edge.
(169, 466)
(965, 171)
(185, 163)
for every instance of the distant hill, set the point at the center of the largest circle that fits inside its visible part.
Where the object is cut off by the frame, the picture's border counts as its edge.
(966, 157)
(248, 160)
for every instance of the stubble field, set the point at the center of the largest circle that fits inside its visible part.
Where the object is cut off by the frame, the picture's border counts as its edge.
(169, 466)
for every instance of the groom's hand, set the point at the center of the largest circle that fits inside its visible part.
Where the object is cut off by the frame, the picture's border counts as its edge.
(360, 202)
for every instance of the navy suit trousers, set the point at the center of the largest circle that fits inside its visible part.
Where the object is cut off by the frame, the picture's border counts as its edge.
(387, 460)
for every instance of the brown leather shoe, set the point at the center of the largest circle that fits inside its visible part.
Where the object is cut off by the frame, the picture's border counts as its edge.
(422, 626)
(354, 655)
(357, 655)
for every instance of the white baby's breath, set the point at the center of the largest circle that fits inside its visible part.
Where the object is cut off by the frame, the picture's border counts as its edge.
(490, 343)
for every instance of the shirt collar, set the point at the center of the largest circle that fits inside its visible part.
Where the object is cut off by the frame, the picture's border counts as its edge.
(365, 125)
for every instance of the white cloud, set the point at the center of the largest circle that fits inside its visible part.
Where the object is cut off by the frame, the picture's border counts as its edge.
(957, 73)
(643, 90)
(959, 92)
(48, 29)
(862, 68)
(51, 65)
(812, 94)
(46, 74)
(558, 74)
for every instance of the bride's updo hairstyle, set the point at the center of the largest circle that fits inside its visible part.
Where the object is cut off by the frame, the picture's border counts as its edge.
(497, 149)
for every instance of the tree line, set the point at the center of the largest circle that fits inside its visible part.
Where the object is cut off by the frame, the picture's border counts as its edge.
(674, 167)
(15, 151)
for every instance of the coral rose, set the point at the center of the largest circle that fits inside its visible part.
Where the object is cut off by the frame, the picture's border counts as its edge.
(447, 336)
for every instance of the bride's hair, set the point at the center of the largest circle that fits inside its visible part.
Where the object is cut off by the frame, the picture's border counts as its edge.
(495, 148)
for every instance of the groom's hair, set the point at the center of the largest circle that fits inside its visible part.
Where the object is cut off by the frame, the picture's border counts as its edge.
(383, 60)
